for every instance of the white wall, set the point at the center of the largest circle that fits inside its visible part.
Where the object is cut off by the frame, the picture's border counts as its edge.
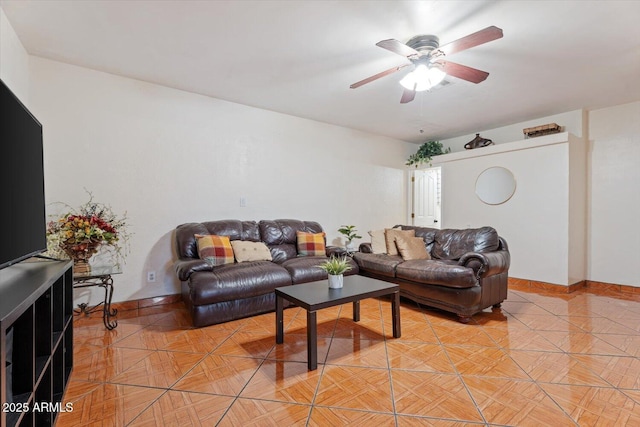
(577, 202)
(536, 221)
(14, 61)
(612, 235)
(614, 208)
(168, 157)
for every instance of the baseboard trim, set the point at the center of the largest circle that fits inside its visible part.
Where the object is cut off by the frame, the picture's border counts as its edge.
(533, 285)
(624, 289)
(146, 302)
(514, 283)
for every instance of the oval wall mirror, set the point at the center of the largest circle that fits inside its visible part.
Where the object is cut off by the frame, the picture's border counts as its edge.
(495, 185)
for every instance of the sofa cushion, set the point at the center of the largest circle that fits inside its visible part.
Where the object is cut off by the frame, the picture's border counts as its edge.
(216, 250)
(412, 248)
(280, 236)
(236, 281)
(250, 251)
(390, 235)
(311, 244)
(382, 264)
(235, 229)
(187, 247)
(437, 272)
(305, 269)
(281, 253)
(452, 244)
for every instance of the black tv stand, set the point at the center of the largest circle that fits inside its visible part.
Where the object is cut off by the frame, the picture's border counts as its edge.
(36, 341)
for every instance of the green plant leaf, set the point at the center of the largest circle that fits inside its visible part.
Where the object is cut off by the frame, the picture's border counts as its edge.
(349, 231)
(426, 152)
(336, 265)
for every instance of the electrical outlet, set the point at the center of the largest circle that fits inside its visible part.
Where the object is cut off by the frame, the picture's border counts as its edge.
(151, 276)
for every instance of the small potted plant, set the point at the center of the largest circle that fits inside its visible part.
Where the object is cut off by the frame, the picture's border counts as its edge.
(335, 268)
(350, 233)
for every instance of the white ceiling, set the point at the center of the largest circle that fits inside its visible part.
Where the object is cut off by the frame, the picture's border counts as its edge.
(299, 57)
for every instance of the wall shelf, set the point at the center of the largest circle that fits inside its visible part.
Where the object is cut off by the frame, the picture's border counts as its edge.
(36, 340)
(525, 144)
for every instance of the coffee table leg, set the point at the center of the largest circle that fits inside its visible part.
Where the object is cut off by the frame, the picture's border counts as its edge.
(395, 314)
(279, 320)
(312, 341)
(356, 311)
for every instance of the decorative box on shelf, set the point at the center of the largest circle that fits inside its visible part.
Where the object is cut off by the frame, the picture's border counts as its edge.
(541, 130)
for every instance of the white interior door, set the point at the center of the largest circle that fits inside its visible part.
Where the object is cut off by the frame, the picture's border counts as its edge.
(426, 206)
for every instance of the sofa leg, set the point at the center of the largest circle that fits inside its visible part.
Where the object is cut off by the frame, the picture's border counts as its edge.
(498, 305)
(463, 319)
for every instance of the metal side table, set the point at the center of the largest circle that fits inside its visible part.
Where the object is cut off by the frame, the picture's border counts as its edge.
(98, 276)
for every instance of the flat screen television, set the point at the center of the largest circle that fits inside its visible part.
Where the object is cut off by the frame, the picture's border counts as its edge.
(22, 204)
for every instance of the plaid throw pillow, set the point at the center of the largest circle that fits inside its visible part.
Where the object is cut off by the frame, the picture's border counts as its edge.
(310, 244)
(216, 250)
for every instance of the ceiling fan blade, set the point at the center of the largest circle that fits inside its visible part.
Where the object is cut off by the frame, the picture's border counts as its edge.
(407, 96)
(377, 76)
(472, 40)
(463, 72)
(396, 47)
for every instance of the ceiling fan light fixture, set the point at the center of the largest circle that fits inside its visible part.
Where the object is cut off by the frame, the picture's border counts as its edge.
(423, 77)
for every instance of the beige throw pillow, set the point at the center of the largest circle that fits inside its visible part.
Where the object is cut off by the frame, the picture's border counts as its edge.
(412, 248)
(250, 251)
(378, 244)
(390, 235)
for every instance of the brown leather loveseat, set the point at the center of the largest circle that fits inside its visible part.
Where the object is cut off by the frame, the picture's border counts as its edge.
(216, 294)
(466, 273)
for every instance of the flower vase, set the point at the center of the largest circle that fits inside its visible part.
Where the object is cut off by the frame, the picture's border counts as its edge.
(81, 266)
(335, 281)
(80, 253)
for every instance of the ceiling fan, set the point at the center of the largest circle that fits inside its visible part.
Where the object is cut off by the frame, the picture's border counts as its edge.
(430, 65)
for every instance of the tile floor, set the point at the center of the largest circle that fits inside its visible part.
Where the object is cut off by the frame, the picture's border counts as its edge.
(541, 360)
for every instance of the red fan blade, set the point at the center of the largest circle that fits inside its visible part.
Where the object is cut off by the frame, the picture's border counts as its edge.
(377, 76)
(396, 47)
(407, 96)
(465, 73)
(472, 40)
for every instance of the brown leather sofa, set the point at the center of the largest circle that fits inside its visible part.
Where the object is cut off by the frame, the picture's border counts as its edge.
(467, 272)
(232, 291)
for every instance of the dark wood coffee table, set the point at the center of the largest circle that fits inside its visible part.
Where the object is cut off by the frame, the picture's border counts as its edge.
(317, 295)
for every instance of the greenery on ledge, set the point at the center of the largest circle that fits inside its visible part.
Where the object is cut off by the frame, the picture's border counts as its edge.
(426, 152)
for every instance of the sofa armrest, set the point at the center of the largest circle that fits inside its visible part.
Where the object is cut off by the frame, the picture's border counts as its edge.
(184, 267)
(486, 263)
(366, 248)
(337, 251)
